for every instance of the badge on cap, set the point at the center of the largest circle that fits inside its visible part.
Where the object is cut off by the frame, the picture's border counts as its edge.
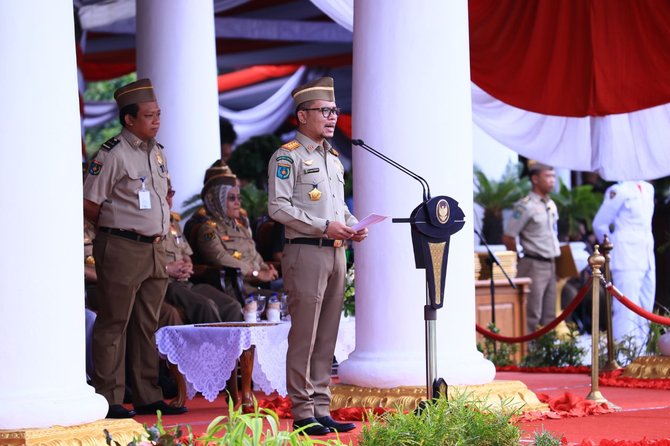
(612, 194)
(283, 171)
(95, 167)
(315, 194)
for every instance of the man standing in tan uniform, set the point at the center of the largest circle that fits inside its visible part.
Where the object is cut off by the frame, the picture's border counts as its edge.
(125, 197)
(535, 222)
(306, 194)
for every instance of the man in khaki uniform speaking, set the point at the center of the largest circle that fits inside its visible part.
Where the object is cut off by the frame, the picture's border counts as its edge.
(306, 194)
(535, 222)
(125, 197)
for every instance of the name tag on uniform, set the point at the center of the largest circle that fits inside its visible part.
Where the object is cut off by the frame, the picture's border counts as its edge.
(145, 199)
(144, 196)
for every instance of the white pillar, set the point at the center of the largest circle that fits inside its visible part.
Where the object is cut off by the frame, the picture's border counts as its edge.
(176, 48)
(42, 376)
(411, 100)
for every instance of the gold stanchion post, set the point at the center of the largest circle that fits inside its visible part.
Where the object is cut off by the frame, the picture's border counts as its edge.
(596, 260)
(611, 360)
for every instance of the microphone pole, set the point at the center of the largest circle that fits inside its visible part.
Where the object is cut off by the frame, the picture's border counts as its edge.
(421, 180)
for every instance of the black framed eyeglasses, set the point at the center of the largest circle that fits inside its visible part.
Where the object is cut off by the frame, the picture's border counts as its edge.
(327, 111)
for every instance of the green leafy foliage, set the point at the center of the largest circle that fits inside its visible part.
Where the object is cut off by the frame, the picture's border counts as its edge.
(499, 353)
(250, 160)
(502, 194)
(550, 351)
(259, 428)
(103, 91)
(546, 438)
(349, 306)
(254, 201)
(461, 420)
(576, 209)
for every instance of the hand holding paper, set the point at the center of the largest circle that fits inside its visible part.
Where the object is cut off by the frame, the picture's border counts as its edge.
(368, 221)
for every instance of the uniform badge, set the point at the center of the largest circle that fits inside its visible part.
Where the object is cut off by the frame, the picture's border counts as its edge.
(159, 158)
(288, 159)
(95, 167)
(237, 255)
(225, 238)
(209, 236)
(315, 194)
(312, 170)
(612, 194)
(308, 162)
(283, 171)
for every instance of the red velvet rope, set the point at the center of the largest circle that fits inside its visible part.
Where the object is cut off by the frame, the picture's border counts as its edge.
(635, 308)
(544, 330)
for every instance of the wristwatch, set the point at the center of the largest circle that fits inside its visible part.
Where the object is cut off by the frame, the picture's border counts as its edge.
(254, 273)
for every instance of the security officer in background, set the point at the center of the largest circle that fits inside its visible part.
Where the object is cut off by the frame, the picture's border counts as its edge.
(306, 194)
(125, 197)
(535, 222)
(625, 216)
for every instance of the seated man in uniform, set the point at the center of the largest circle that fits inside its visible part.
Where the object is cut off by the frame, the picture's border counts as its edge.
(201, 303)
(224, 240)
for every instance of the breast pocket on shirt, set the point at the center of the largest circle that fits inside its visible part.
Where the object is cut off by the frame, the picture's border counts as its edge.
(135, 179)
(308, 184)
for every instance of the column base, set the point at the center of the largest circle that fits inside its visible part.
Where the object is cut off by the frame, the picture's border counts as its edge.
(648, 367)
(89, 434)
(514, 394)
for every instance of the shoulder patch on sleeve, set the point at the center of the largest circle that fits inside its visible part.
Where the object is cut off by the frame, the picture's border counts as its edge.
(334, 152)
(285, 158)
(95, 167)
(209, 236)
(109, 144)
(291, 145)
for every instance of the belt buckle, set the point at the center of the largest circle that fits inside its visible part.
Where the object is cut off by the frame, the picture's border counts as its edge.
(337, 243)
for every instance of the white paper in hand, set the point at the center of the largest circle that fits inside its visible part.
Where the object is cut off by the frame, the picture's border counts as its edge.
(368, 221)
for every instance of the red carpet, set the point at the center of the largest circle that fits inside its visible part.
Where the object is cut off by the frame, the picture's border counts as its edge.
(643, 421)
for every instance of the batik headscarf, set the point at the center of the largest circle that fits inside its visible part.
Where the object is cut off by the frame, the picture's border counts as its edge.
(215, 196)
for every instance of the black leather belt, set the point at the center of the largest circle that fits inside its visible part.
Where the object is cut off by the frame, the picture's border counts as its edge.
(540, 258)
(133, 235)
(315, 242)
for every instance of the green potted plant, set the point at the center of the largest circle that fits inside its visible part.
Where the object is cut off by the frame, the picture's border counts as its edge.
(576, 209)
(497, 195)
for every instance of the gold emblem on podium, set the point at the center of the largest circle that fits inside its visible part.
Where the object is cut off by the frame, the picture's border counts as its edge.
(442, 211)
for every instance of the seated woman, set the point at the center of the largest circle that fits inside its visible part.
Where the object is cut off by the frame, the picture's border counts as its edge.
(224, 240)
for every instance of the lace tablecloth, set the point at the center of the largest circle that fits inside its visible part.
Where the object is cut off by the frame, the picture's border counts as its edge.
(206, 356)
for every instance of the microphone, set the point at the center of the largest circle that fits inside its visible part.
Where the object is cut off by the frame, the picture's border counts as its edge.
(421, 180)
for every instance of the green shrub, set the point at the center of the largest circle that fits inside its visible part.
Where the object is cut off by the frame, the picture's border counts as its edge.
(499, 353)
(550, 351)
(461, 420)
(545, 438)
(234, 429)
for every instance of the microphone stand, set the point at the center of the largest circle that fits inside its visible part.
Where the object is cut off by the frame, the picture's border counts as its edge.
(490, 261)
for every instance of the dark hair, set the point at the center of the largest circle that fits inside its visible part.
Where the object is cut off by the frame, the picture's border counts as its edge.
(130, 109)
(227, 132)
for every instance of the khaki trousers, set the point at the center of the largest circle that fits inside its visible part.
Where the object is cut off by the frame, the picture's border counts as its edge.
(541, 305)
(314, 280)
(131, 286)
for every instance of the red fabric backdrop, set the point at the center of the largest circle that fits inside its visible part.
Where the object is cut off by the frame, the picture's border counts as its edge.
(572, 57)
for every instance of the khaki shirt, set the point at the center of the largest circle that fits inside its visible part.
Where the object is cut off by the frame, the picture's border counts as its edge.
(535, 221)
(306, 188)
(176, 246)
(115, 178)
(222, 244)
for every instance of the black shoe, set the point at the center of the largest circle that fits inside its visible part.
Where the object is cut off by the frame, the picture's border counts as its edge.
(314, 429)
(334, 426)
(118, 411)
(166, 409)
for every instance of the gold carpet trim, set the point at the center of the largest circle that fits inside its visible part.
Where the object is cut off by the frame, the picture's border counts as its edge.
(90, 434)
(648, 367)
(510, 394)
